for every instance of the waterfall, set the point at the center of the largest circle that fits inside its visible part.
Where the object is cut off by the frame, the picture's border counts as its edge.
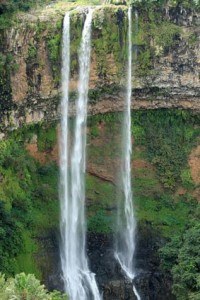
(79, 281)
(64, 180)
(125, 245)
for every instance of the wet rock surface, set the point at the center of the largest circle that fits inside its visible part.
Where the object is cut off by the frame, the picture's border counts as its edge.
(150, 282)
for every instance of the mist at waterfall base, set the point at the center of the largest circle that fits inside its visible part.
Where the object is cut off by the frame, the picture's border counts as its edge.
(126, 223)
(79, 281)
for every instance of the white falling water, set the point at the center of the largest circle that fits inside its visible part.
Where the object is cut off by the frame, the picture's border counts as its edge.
(64, 180)
(126, 221)
(79, 281)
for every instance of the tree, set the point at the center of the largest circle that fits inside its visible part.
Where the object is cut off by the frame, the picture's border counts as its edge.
(10, 239)
(186, 274)
(181, 256)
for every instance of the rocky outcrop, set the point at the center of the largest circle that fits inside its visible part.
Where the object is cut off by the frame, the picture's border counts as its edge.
(150, 281)
(166, 74)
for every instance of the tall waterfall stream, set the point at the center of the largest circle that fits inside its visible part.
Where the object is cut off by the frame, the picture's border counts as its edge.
(79, 281)
(64, 156)
(125, 244)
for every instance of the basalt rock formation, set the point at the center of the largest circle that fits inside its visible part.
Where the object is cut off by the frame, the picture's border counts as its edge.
(166, 71)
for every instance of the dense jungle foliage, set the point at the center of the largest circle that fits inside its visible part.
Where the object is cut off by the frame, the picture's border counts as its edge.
(23, 186)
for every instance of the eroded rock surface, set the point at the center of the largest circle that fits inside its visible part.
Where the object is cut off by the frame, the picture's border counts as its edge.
(170, 79)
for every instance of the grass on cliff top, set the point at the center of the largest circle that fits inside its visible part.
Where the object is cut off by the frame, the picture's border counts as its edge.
(60, 7)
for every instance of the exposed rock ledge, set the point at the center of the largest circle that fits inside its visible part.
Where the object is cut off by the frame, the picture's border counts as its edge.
(170, 80)
(49, 109)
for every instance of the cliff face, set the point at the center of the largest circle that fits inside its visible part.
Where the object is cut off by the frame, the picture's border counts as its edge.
(166, 71)
(165, 177)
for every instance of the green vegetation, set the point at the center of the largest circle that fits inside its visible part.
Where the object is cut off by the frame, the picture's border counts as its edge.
(144, 3)
(10, 234)
(186, 272)
(155, 37)
(100, 223)
(181, 256)
(23, 287)
(86, 2)
(46, 137)
(163, 140)
(32, 52)
(110, 41)
(169, 137)
(54, 50)
(101, 198)
(76, 30)
(95, 94)
(171, 3)
(186, 179)
(25, 187)
(8, 8)
(8, 65)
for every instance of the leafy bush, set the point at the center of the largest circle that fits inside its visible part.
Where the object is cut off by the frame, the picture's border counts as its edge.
(24, 186)
(10, 237)
(181, 257)
(169, 136)
(26, 287)
(54, 50)
(186, 179)
(100, 223)
(186, 271)
(46, 138)
(94, 132)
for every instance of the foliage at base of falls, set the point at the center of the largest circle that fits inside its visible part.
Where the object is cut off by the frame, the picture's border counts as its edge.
(27, 287)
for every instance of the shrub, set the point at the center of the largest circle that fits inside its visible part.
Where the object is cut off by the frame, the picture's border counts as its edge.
(26, 287)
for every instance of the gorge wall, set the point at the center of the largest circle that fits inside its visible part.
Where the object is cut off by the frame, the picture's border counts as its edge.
(166, 72)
